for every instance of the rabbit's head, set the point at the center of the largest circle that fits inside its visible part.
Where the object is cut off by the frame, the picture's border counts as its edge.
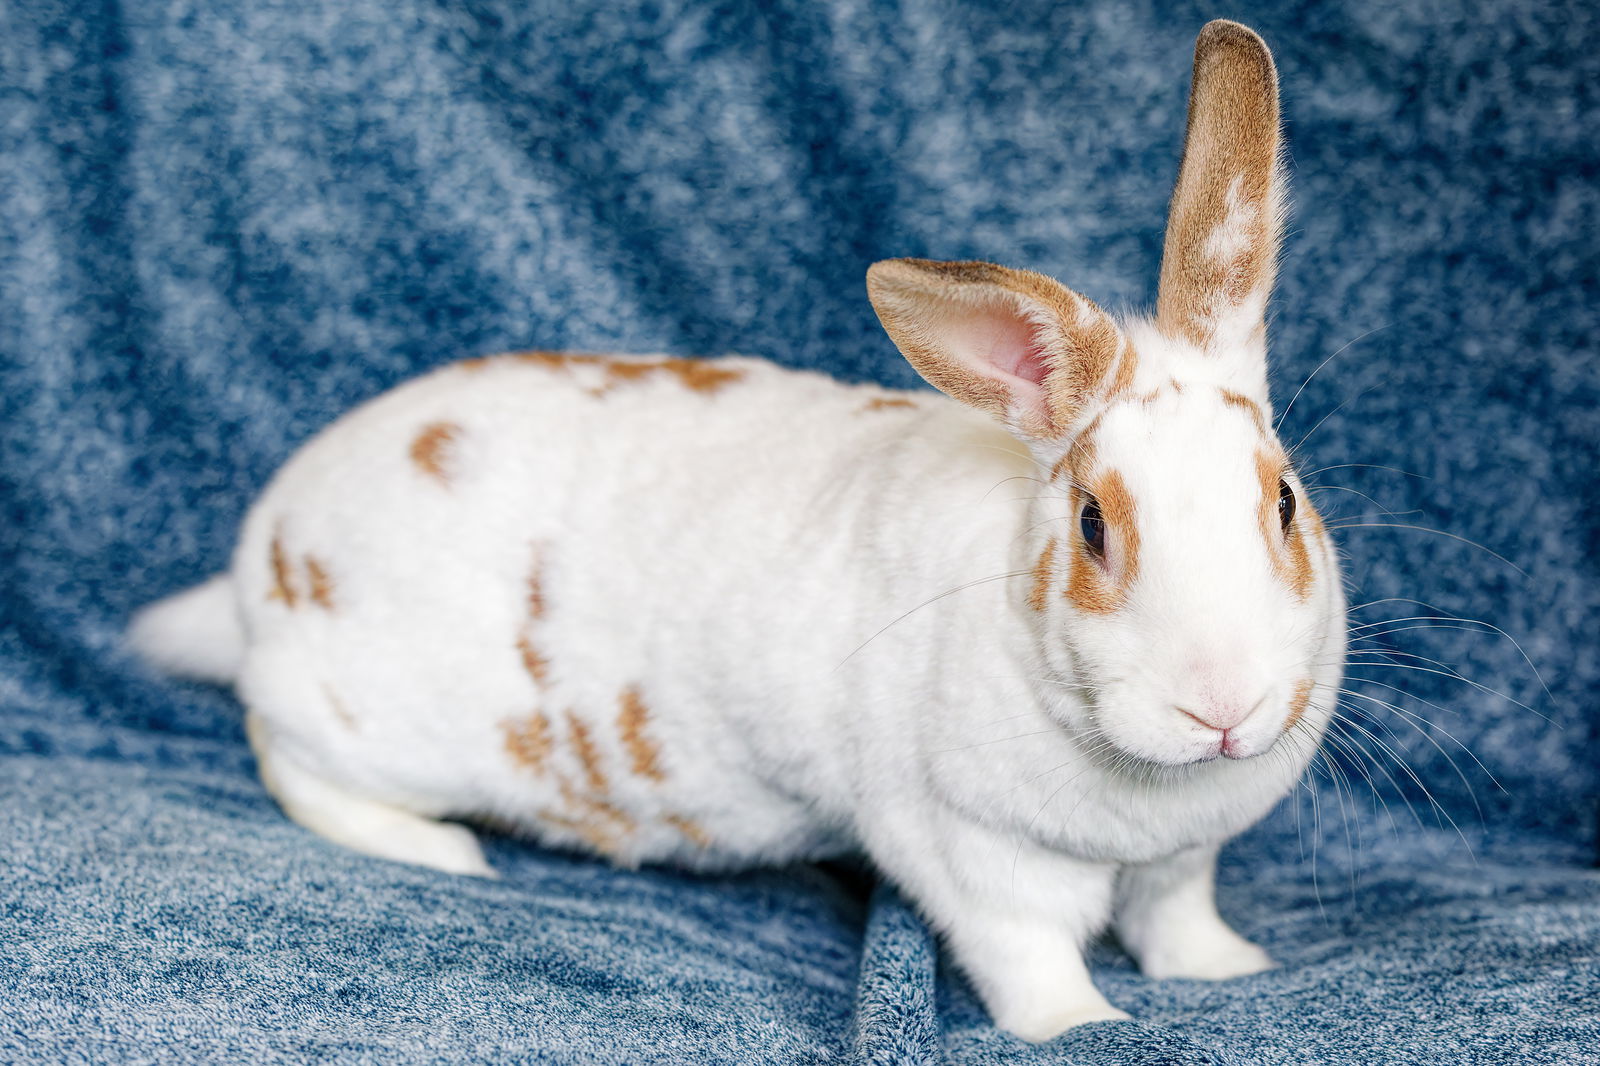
(1183, 584)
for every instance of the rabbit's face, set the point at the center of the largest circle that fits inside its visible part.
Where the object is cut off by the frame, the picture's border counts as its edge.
(1189, 590)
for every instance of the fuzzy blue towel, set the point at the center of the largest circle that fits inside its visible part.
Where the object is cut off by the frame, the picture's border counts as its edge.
(224, 222)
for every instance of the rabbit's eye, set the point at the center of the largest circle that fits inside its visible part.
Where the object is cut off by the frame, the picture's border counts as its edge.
(1285, 504)
(1093, 527)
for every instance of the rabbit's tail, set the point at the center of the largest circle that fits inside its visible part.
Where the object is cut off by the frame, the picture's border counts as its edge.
(195, 633)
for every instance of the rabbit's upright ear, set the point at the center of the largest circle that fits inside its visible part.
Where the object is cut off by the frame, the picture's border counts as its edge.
(1227, 210)
(1016, 344)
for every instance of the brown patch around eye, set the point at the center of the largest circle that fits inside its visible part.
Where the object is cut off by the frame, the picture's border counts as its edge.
(283, 588)
(529, 742)
(589, 755)
(1298, 705)
(691, 830)
(884, 403)
(1244, 403)
(431, 449)
(1090, 587)
(321, 584)
(1043, 571)
(533, 661)
(1287, 550)
(632, 718)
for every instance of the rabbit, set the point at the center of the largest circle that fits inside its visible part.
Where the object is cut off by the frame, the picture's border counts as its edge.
(1038, 646)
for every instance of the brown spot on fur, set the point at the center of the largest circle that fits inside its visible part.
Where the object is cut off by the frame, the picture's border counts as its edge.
(691, 830)
(321, 584)
(431, 451)
(702, 375)
(340, 711)
(589, 755)
(1175, 385)
(625, 370)
(1290, 560)
(548, 360)
(1043, 572)
(599, 823)
(529, 742)
(536, 664)
(472, 366)
(282, 587)
(536, 587)
(1127, 367)
(1297, 705)
(1091, 588)
(1231, 142)
(600, 837)
(631, 721)
(1079, 459)
(1248, 406)
(883, 403)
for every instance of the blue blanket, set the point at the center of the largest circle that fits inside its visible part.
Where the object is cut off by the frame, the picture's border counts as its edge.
(224, 222)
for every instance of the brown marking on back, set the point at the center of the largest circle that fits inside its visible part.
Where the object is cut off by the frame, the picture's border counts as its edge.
(529, 742)
(884, 403)
(533, 661)
(321, 584)
(548, 360)
(431, 449)
(1230, 146)
(473, 365)
(1043, 572)
(589, 755)
(691, 830)
(340, 711)
(1290, 560)
(702, 375)
(1248, 406)
(1090, 587)
(282, 587)
(1175, 385)
(624, 370)
(1298, 705)
(632, 718)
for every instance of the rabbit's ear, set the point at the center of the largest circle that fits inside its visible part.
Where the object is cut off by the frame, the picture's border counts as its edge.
(1227, 210)
(1016, 344)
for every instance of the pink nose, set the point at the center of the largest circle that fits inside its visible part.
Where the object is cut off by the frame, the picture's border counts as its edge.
(1221, 715)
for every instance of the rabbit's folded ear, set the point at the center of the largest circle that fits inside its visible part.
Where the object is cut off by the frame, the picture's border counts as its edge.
(1227, 210)
(1016, 344)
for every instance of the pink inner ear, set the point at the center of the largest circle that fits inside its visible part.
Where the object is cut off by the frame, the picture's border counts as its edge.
(1002, 345)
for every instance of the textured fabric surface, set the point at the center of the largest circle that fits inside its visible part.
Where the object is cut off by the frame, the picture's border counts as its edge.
(223, 223)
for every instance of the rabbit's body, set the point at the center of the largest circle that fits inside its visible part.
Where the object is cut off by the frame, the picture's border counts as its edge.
(1038, 666)
(618, 612)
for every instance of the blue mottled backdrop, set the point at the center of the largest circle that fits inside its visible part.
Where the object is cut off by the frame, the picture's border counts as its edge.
(224, 222)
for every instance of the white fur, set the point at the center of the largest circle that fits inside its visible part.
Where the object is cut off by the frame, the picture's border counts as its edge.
(195, 633)
(765, 565)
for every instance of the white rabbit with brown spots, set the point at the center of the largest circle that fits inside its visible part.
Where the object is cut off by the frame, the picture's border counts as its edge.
(1038, 648)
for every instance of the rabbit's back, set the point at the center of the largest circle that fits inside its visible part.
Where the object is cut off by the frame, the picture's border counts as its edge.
(515, 590)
